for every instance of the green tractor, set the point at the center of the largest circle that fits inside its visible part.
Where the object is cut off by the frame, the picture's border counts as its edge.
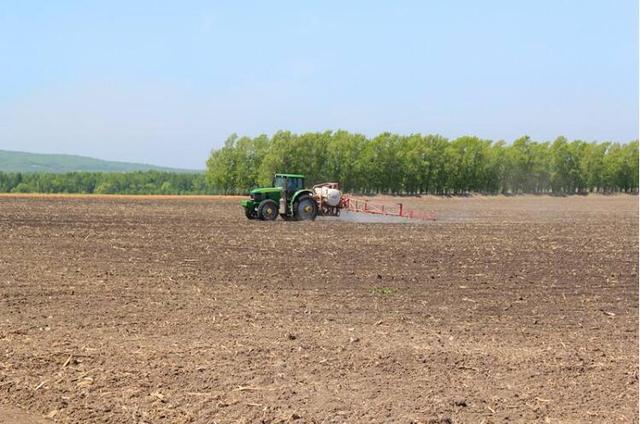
(287, 198)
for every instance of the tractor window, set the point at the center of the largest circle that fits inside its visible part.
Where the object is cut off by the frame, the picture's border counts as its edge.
(294, 184)
(279, 181)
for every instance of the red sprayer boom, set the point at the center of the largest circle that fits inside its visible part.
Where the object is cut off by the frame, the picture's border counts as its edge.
(390, 209)
(331, 201)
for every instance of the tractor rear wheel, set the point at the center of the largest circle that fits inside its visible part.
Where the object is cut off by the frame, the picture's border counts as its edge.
(268, 210)
(306, 209)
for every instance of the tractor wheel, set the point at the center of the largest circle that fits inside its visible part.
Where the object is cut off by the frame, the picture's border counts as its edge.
(268, 210)
(250, 213)
(306, 209)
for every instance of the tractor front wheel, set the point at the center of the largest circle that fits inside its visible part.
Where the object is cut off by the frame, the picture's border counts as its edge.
(250, 213)
(268, 210)
(306, 209)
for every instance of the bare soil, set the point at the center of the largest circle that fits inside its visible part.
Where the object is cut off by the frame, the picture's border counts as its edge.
(121, 310)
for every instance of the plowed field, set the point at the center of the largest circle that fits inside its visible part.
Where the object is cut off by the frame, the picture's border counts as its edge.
(120, 310)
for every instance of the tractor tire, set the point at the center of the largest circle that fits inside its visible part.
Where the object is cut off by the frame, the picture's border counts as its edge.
(306, 209)
(268, 210)
(250, 213)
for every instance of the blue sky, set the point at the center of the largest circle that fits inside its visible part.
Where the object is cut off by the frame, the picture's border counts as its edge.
(165, 82)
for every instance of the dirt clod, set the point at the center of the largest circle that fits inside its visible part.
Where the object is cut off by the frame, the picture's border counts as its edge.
(441, 420)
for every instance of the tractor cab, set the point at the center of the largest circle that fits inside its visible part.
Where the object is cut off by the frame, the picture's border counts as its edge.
(291, 183)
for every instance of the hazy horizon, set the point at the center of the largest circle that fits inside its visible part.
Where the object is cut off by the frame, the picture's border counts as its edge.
(163, 84)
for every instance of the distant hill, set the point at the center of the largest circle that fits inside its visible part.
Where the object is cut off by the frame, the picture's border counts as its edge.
(38, 162)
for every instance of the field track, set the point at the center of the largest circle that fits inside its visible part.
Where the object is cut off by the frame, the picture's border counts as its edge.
(147, 309)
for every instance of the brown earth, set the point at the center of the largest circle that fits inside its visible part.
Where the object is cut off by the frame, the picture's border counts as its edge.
(118, 310)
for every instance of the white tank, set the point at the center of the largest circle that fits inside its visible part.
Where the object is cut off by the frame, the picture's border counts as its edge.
(330, 196)
(333, 197)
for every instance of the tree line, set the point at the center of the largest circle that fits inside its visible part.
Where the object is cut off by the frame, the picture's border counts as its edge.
(426, 164)
(387, 163)
(137, 182)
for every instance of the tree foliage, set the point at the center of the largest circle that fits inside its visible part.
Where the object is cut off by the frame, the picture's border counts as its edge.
(139, 182)
(416, 164)
(387, 163)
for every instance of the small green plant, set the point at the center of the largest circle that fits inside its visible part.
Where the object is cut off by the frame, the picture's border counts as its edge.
(382, 291)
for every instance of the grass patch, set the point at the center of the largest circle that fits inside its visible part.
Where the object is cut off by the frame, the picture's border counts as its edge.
(382, 291)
